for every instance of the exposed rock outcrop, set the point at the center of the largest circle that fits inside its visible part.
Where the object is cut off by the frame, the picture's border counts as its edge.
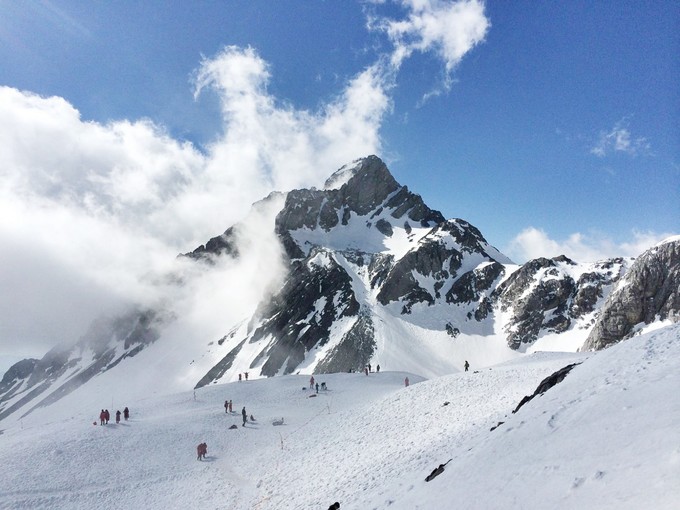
(649, 292)
(542, 295)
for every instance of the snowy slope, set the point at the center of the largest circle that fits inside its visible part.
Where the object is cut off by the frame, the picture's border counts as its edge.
(606, 437)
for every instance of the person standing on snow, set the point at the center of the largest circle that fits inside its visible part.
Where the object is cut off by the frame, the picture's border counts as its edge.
(230, 409)
(118, 416)
(245, 416)
(102, 418)
(311, 383)
(202, 450)
(107, 415)
(467, 365)
(406, 382)
(239, 377)
(226, 406)
(126, 413)
(377, 369)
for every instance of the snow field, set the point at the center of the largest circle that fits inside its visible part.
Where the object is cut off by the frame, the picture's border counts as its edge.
(606, 437)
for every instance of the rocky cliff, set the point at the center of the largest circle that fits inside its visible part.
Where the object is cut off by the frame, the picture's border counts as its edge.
(649, 292)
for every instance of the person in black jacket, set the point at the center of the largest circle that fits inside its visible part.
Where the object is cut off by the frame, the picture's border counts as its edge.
(245, 416)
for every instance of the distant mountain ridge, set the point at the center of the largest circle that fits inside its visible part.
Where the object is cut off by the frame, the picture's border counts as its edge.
(375, 275)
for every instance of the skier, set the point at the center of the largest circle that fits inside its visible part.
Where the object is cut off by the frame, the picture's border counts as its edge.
(377, 369)
(118, 416)
(245, 416)
(107, 416)
(126, 413)
(102, 417)
(226, 406)
(406, 381)
(467, 365)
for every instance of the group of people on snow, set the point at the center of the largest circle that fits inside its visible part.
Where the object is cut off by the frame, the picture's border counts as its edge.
(240, 376)
(315, 385)
(368, 369)
(105, 416)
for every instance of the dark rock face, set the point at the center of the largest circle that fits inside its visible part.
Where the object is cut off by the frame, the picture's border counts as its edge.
(471, 285)
(371, 188)
(544, 297)
(531, 301)
(299, 317)
(547, 383)
(429, 259)
(354, 350)
(650, 291)
(434, 258)
(589, 286)
(220, 245)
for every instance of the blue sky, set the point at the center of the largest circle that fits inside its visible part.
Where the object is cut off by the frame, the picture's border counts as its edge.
(508, 146)
(551, 126)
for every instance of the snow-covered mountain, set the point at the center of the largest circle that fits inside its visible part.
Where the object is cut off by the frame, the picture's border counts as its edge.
(604, 437)
(369, 274)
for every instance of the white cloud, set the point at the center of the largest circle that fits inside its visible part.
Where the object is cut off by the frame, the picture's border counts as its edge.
(449, 29)
(619, 139)
(532, 243)
(93, 211)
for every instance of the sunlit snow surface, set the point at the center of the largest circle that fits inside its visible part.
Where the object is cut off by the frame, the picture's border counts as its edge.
(606, 437)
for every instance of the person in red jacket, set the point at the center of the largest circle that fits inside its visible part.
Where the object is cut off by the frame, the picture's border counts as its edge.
(102, 417)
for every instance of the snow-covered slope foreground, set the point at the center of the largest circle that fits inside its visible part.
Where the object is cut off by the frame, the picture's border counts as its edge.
(605, 437)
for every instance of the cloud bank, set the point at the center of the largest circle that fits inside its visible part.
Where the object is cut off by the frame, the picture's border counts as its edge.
(92, 215)
(532, 243)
